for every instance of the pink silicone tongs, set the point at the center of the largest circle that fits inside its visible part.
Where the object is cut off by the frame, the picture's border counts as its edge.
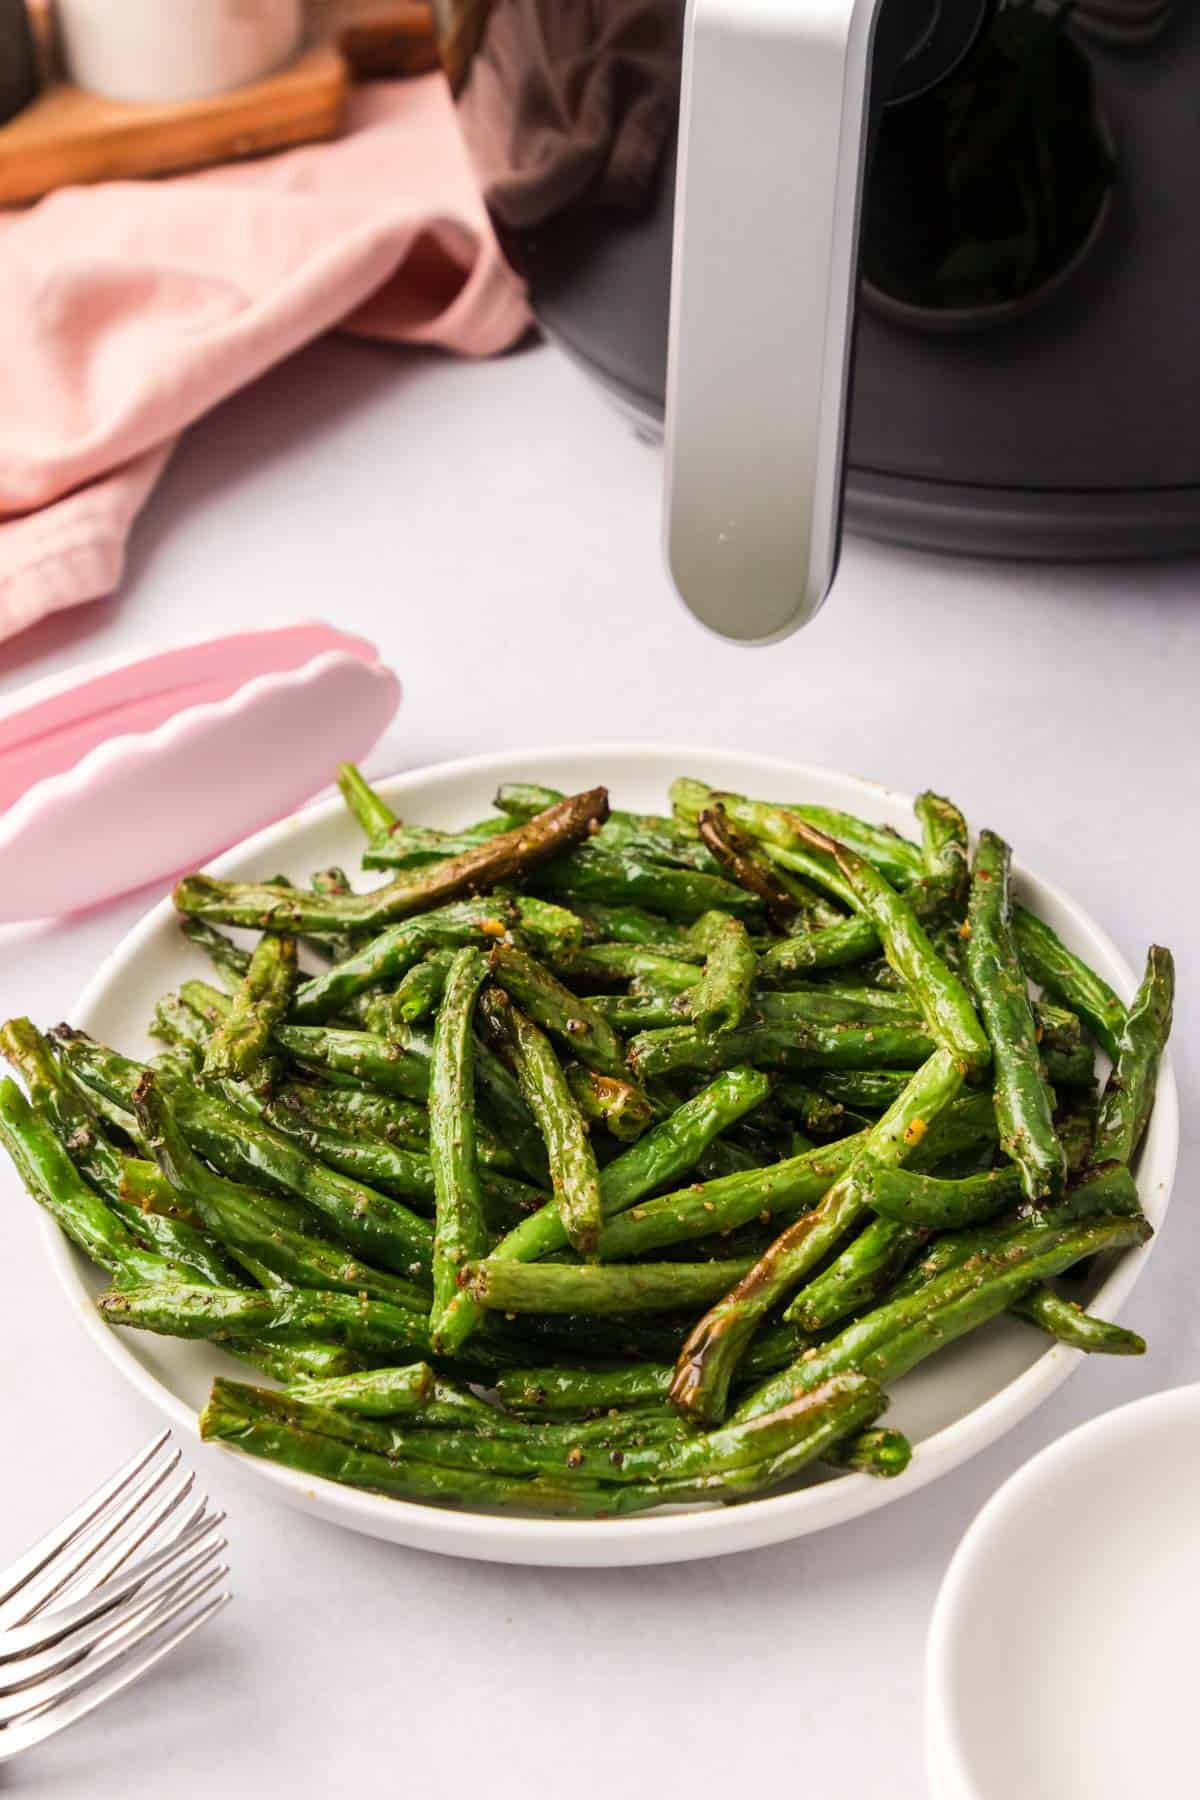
(128, 771)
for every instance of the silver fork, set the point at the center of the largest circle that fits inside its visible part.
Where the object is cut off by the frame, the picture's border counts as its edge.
(105, 1595)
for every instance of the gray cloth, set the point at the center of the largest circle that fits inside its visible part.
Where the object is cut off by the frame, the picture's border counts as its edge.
(570, 102)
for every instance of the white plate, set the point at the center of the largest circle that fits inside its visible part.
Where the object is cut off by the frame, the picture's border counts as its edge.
(952, 1407)
(1061, 1659)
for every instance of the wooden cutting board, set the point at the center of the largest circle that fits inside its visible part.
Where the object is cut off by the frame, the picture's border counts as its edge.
(68, 135)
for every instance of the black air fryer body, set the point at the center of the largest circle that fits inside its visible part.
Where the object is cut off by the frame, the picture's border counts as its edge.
(1071, 432)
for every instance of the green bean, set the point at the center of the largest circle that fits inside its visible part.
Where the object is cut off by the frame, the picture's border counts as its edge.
(840, 1006)
(485, 1441)
(238, 1046)
(727, 1202)
(827, 947)
(411, 846)
(461, 1231)
(208, 1002)
(242, 1145)
(738, 1196)
(779, 1044)
(52, 1179)
(286, 1430)
(522, 799)
(651, 834)
(870, 1264)
(373, 1327)
(183, 1030)
(711, 1352)
(871, 1089)
(778, 832)
(192, 1252)
(864, 1272)
(1109, 1190)
(621, 1451)
(1064, 1320)
(633, 926)
(892, 1339)
(606, 963)
(341, 944)
(369, 809)
(556, 1390)
(55, 1184)
(1129, 1092)
(399, 1067)
(500, 859)
(604, 1100)
(1046, 959)
(70, 1112)
(668, 1151)
(553, 1007)
(775, 826)
(593, 874)
(404, 1173)
(261, 1224)
(573, 1171)
(415, 996)
(819, 1113)
(77, 1127)
(1024, 1106)
(551, 932)
(588, 1289)
(385, 958)
(915, 1199)
(832, 1001)
(352, 1111)
(1076, 1126)
(1069, 1068)
(943, 1000)
(882, 1453)
(375, 1393)
(961, 1299)
(719, 999)
(944, 845)
(895, 858)
(228, 958)
(1058, 1027)
(134, 1248)
(784, 897)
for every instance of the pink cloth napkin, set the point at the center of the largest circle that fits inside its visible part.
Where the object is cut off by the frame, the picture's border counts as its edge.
(128, 309)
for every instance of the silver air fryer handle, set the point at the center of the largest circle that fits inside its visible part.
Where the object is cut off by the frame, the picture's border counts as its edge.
(772, 143)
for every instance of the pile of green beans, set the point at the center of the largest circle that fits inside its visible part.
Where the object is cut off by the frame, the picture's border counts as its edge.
(595, 1161)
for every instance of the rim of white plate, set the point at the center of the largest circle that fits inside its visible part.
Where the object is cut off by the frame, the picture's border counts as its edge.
(946, 1755)
(653, 1538)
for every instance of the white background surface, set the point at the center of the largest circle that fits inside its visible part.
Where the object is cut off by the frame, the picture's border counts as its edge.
(494, 529)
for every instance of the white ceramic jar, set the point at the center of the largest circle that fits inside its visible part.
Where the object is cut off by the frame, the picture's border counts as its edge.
(175, 49)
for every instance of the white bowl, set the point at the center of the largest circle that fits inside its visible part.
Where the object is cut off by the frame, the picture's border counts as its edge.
(173, 50)
(1061, 1654)
(952, 1406)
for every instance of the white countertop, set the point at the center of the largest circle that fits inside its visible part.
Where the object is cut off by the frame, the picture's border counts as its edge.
(494, 529)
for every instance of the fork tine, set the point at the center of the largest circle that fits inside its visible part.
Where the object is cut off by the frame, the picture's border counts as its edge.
(56, 1716)
(82, 1670)
(23, 1670)
(89, 1569)
(137, 1531)
(71, 1568)
(93, 1510)
(39, 1633)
